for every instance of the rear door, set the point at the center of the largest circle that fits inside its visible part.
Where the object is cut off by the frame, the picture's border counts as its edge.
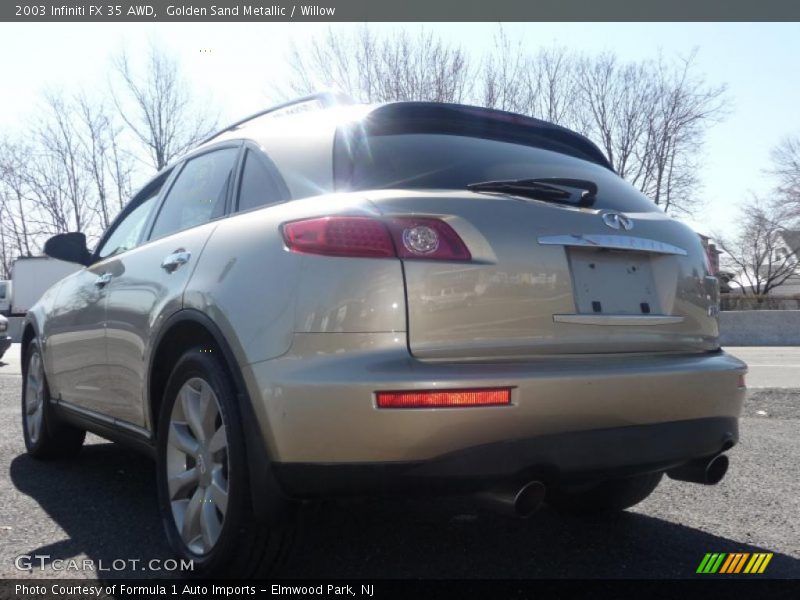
(149, 281)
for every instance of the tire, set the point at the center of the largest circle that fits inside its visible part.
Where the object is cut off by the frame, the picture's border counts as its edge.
(46, 437)
(208, 516)
(609, 496)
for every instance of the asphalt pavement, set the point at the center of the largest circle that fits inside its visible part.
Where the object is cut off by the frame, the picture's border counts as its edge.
(770, 366)
(101, 506)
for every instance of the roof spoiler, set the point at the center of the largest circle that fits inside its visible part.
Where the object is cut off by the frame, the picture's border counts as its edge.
(324, 99)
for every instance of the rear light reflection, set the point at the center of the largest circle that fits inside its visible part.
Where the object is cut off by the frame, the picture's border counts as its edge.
(445, 398)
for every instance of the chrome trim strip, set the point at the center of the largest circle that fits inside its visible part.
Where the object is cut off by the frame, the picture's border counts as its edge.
(614, 242)
(617, 319)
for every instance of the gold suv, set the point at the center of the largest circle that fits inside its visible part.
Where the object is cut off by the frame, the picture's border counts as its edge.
(330, 298)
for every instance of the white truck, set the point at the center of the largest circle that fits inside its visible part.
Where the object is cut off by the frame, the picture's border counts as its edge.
(32, 276)
(5, 296)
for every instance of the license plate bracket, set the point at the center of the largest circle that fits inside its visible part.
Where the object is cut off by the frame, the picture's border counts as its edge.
(610, 282)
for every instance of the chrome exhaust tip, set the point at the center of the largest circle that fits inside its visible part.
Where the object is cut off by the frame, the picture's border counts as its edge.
(513, 501)
(706, 471)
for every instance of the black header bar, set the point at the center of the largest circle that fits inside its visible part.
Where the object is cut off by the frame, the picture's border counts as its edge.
(397, 10)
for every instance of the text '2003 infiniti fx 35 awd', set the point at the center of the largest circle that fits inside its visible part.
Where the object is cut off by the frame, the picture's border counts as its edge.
(333, 299)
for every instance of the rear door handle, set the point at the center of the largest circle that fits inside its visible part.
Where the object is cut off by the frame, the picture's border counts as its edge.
(175, 260)
(103, 279)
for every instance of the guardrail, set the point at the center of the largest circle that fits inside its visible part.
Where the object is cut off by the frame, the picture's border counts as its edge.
(760, 328)
(728, 302)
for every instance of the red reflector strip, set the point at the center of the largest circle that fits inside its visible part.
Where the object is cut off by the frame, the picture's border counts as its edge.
(445, 398)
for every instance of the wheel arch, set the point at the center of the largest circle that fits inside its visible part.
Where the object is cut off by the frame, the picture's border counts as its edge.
(29, 333)
(188, 328)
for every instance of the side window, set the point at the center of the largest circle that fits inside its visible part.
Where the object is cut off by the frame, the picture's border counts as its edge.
(198, 194)
(129, 231)
(260, 184)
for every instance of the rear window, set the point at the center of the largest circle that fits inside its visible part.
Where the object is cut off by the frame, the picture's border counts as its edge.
(451, 162)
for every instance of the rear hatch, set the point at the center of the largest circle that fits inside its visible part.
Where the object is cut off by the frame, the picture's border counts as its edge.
(546, 279)
(614, 275)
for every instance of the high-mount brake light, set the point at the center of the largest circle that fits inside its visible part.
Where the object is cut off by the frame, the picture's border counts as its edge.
(369, 237)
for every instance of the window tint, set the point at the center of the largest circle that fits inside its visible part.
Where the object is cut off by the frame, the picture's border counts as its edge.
(2, 289)
(198, 194)
(260, 184)
(438, 161)
(128, 233)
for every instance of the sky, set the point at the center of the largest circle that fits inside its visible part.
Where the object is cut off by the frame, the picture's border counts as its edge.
(241, 65)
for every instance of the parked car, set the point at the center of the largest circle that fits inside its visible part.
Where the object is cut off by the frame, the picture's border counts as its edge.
(255, 320)
(5, 339)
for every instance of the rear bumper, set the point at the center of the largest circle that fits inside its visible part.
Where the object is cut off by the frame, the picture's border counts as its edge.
(575, 457)
(5, 343)
(316, 409)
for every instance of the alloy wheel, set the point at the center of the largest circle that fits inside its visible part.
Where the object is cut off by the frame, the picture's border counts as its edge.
(197, 466)
(34, 398)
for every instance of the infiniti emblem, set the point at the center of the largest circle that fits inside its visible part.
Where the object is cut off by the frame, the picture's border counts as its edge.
(618, 221)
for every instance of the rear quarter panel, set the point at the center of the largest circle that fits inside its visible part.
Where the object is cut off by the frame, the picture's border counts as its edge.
(260, 294)
(263, 297)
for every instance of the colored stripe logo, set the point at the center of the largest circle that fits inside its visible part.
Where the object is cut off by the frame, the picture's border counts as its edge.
(734, 563)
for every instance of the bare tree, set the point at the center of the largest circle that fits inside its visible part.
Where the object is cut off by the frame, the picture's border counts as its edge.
(72, 168)
(159, 107)
(108, 166)
(18, 231)
(757, 254)
(121, 169)
(617, 99)
(505, 76)
(683, 109)
(371, 68)
(59, 176)
(95, 149)
(5, 250)
(786, 168)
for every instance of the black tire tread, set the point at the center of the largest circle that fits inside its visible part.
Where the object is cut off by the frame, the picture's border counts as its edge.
(260, 548)
(57, 439)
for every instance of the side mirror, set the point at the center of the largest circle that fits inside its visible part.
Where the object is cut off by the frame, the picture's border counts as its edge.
(70, 247)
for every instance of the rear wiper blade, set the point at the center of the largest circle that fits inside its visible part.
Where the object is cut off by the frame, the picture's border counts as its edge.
(550, 189)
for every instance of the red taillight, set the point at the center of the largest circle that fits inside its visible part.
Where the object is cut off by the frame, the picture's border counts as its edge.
(445, 398)
(403, 237)
(339, 236)
(741, 383)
